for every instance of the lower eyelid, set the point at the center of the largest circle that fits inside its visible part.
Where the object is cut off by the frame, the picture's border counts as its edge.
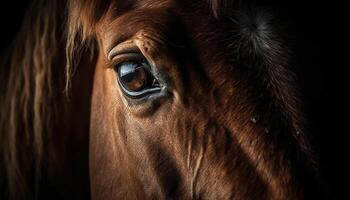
(135, 95)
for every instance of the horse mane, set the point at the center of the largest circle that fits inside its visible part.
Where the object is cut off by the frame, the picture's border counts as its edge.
(82, 19)
(51, 31)
(28, 99)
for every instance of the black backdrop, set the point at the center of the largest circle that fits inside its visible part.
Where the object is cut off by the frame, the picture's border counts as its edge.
(305, 23)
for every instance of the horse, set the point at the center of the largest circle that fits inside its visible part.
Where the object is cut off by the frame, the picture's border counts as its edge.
(152, 99)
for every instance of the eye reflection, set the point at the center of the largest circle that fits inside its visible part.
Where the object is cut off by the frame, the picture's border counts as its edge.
(134, 76)
(136, 80)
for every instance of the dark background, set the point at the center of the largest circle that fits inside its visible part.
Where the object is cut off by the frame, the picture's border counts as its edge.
(305, 23)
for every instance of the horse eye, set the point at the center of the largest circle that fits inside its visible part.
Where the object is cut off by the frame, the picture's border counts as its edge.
(136, 80)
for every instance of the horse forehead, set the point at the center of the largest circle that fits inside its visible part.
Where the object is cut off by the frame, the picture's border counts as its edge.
(125, 18)
(121, 7)
(114, 30)
(155, 3)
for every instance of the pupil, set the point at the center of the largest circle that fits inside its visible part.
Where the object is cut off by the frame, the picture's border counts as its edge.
(128, 77)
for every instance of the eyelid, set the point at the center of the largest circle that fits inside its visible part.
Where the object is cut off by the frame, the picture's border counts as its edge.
(126, 47)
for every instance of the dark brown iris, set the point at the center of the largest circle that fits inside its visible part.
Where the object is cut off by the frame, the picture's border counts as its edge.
(135, 77)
